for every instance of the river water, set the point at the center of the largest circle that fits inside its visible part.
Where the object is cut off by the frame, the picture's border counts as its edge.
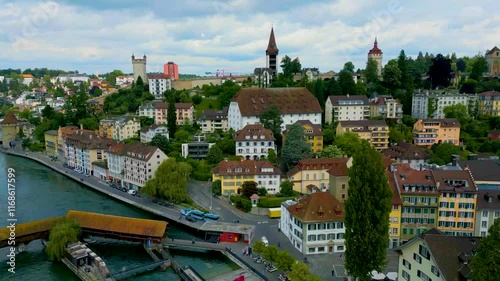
(42, 193)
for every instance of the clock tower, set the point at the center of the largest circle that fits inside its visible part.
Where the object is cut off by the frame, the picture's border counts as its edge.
(272, 53)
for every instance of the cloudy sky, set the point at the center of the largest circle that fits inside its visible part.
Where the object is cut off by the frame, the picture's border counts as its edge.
(205, 35)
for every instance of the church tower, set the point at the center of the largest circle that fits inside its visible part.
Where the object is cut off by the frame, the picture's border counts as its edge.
(272, 53)
(139, 67)
(376, 54)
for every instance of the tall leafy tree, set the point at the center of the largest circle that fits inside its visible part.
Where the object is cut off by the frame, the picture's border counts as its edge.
(371, 71)
(392, 76)
(296, 147)
(486, 263)
(367, 214)
(169, 182)
(290, 67)
(162, 143)
(271, 119)
(402, 64)
(331, 151)
(348, 142)
(457, 111)
(349, 66)
(346, 83)
(319, 92)
(284, 261)
(215, 155)
(62, 233)
(440, 72)
(479, 66)
(171, 118)
(332, 88)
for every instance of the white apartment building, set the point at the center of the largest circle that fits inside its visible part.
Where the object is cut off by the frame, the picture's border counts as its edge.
(315, 224)
(84, 147)
(124, 80)
(253, 142)
(157, 110)
(294, 104)
(212, 120)
(346, 108)
(147, 110)
(386, 107)
(422, 101)
(158, 84)
(488, 209)
(148, 133)
(140, 163)
(116, 168)
(70, 77)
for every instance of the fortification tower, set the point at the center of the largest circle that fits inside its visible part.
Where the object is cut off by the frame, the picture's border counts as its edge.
(493, 60)
(139, 67)
(10, 128)
(376, 54)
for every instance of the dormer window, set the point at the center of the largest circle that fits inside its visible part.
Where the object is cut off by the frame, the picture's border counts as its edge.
(247, 170)
(229, 170)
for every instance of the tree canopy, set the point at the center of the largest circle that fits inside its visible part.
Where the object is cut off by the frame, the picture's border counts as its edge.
(347, 142)
(440, 71)
(486, 263)
(169, 181)
(346, 83)
(295, 147)
(367, 211)
(331, 151)
(61, 234)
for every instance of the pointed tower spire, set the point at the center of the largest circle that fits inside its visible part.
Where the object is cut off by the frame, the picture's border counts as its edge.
(272, 48)
(375, 43)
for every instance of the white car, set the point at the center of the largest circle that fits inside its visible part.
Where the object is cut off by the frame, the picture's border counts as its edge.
(264, 240)
(132, 192)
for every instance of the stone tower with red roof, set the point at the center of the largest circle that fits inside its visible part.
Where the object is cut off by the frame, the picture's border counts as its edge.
(376, 54)
(10, 126)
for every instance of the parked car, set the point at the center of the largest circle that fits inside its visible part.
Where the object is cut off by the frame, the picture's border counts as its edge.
(132, 192)
(191, 219)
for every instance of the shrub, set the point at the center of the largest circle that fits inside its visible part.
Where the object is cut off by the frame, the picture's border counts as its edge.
(241, 203)
(273, 202)
(200, 176)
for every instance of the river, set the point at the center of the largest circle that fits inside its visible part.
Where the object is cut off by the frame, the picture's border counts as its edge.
(42, 193)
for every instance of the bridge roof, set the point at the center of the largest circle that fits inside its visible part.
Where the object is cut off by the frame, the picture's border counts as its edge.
(29, 228)
(142, 227)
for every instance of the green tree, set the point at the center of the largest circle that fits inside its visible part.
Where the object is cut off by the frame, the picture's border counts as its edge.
(479, 66)
(48, 112)
(262, 191)
(486, 263)
(286, 188)
(248, 188)
(367, 211)
(139, 82)
(271, 119)
(182, 136)
(271, 156)
(227, 145)
(290, 67)
(331, 151)
(217, 187)
(62, 233)
(171, 118)
(469, 86)
(346, 83)
(319, 92)
(295, 147)
(371, 71)
(90, 123)
(284, 261)
(403, 66)
(457, 111)
(21, 133)
(271, 254)
(196, 99)
(348, 142)
(215, 155)
(146, 121)
(332, 88)
(184, 169)
(162, 143)
(259, 247)
(440, 72)
(400, 133)
(349, 66)
(392, 76)
(300, 272)
(169, 182)
(328, 136)
(25, 114)
(442, 153)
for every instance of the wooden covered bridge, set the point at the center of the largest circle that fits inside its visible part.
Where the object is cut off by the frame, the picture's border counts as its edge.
(99, 225)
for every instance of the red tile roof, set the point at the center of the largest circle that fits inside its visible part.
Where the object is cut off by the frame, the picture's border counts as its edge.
(334, 166)
(406, 151)
(248, 167)
(405, 175)
(10, 119)
(318, 207)
(489, 93)
(254, 130)
(450, 180)
(255, 101)
(178, 105)
(89, 140)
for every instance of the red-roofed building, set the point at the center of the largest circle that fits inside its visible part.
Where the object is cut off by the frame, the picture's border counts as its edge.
(314, 224)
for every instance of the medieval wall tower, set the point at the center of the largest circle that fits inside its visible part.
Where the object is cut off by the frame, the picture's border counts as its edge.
(139, 67)
(493, 60)
(272, 53)
(376, 54)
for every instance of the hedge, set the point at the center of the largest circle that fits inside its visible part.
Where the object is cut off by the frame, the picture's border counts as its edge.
(273, 202)
(241, 203)
(199, 176)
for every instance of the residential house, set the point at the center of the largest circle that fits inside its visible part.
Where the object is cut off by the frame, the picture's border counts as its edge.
(405, 152)
(313, 174)
(431, 104)
(27, 78)
(124, 80)
(293, 103)
(313, 134)
(232, 174)
(375, 132)
(436, 256)
(346, 108)
(253, 142)
(120, 128)
(148, 133)
(489, 103)
(159, 83)
(339, 180)
(395, 214)
(457, 202)
(184, 112)
(486, 173)
(115, 163)
(84, 148)
(62, 134)
(100, 170)
(435, 131)
(487, 211)
(140, 162)
(387, 108)
(51, 145)
(197, 150)
(212, 120)
(315, 224)
(419, 196)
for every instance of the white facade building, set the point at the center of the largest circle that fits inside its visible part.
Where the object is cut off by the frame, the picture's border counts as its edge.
(253, 142)
(212, 120)
(346, 108)
(386, 107)
(315, 224)
(124, 80)
(488, 210)
(148, 133)
(438, 101)
(140, 163)
(116, 168)
(294, 104)
(158, 84)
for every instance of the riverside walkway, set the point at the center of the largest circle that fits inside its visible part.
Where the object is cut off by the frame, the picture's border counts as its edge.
(170, 212)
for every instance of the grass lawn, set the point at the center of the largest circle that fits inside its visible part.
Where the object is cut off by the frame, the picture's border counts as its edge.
(205, 104)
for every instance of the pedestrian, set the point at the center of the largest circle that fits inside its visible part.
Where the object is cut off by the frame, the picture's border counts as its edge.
(333, 272)
(193, 241)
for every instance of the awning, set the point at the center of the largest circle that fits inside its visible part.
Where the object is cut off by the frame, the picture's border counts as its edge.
(392, 275)
(377, 275)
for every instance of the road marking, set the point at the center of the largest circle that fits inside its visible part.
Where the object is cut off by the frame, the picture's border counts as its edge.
(264, 222)
(259, 222)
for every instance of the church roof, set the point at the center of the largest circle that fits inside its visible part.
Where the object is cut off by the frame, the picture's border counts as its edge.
(10, 119)
(375, 50)
(272, 48)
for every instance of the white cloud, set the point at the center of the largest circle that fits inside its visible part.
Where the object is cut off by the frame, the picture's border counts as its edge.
(203, 36)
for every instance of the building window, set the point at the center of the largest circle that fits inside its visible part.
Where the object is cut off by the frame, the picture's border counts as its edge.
(406, 276)
(417, 258)
(423, 276)
(424, 252)
(343, 186)
(484, 224)
(407, 264)
(312, 250)
(435, 271)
